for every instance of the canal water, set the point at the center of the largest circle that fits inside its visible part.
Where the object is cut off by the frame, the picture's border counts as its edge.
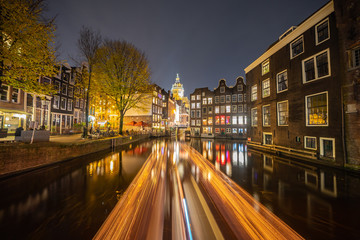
(72, 199)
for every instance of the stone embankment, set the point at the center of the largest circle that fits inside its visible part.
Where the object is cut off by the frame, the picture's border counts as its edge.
(20, 157)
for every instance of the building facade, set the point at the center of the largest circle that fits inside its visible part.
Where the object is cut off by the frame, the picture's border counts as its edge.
(347, 14)
(219, 113)
(295, 91)
(62, 103)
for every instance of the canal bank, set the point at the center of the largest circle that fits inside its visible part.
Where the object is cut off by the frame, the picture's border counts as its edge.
(16, 158)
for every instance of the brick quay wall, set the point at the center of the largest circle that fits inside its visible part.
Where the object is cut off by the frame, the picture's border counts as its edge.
(17, 158)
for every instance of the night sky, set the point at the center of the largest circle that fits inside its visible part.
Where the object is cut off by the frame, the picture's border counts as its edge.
(202, 40)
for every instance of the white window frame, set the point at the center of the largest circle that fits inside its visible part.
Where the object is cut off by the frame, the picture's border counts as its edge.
(322, 148)
(70, 104)
(234, 108)
(61, 103)
(291, 48)
(253, 94)
(228, 98)
(198, 97)
(263, 64)
(217, 99)
(263, 116)
(278, 116)
(58, 101)
(17, 97)
(240, 97)
(315, 65)
(217, 109)
(234, 98)
(272, 139)
(305, 137)
(210, 101)
(234, 120)
(327, 109)
(228, 108)
(192, 97)
(240, 87)
(263, 82)
(7, 92)
(277, 81)
(316, 31)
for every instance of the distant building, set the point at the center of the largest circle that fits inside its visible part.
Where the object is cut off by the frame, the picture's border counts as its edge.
(219, 113)
(62, 107)
(177, 89)
(295, 91)
(149, 111)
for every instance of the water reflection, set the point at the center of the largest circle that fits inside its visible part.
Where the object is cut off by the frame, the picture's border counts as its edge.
(318, 202)
(68, 200)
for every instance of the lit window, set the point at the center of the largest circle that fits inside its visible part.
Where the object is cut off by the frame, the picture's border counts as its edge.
(217, 130)
(228, 109)
(192, 105)
(204, 101)
(234, 120)
(234, 130)
(192, 97)
(228, 130)
(241, 120)
(316, 67)
(254, 119)
(198, 97)
(310, 142)
(265, 66)
(317, 109)
(210, 120)
(297, 47)
(283, 113)
(268, 139)
(198, 105)
(266, 88)
(322, 31)
(266, 115)
(217, 120)
(254, 93)
(228, 120)
(209, 100)
(216, 109)
(222, 109)
(204, 121)
(282, 81)
(222, 120)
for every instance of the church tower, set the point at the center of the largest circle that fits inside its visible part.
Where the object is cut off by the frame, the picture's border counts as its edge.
(177, 89)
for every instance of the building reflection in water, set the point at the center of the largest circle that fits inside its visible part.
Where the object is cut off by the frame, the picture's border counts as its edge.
(307, 196)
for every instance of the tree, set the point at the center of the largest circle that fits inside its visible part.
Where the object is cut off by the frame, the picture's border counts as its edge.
(27, 45)
(124, 75)
(88, 43)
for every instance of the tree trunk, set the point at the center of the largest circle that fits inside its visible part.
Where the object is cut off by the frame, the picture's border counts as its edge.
(85, 133)
(121, 123)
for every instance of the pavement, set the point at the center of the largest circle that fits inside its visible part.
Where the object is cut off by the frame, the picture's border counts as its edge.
(55, 138)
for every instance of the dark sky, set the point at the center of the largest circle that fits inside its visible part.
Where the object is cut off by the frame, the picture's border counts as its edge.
(202, 40)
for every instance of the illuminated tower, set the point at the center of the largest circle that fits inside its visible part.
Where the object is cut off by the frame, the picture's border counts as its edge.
(177, 89)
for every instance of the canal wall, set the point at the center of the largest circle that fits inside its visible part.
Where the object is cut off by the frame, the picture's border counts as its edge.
(16, 158)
